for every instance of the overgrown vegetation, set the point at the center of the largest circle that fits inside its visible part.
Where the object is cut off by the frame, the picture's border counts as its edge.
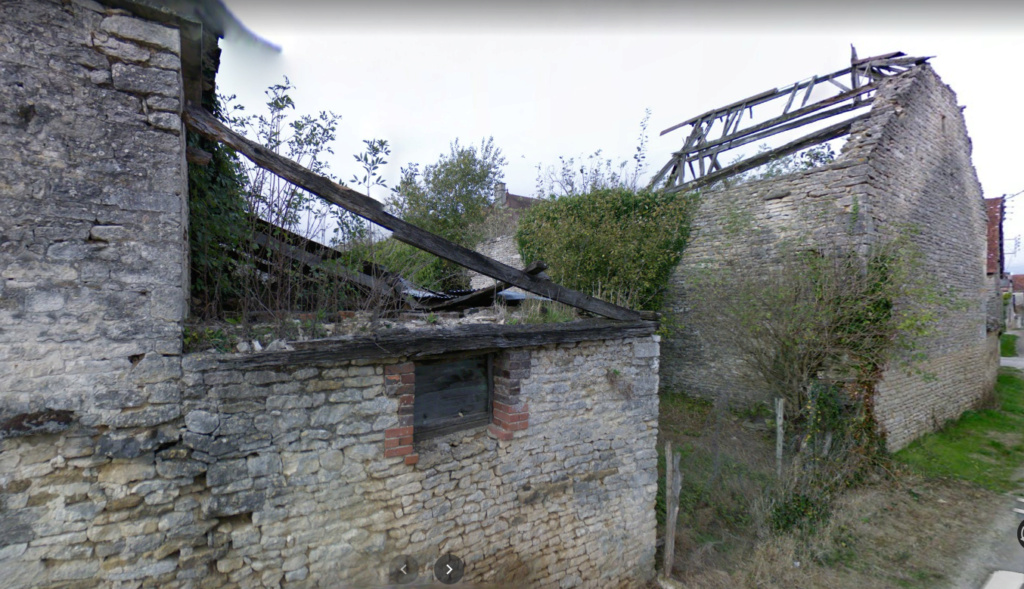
(818, 317)
(602, 233)
(618, 244)
(907, 525)
(263, 248)
(217, 210)
(580, 175)
(816, 328)
(449, 198)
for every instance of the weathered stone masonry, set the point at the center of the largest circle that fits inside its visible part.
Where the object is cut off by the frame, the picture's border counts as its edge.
(125, 464)
(908, 164)
(284, 476)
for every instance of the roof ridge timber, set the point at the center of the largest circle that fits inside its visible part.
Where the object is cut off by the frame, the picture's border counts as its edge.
(696, 165)
(208, 126)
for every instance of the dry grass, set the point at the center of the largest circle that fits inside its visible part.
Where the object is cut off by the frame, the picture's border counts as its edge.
(907, 533)
(898, 531)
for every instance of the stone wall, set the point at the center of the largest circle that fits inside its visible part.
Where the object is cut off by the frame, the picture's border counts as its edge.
(502, 248)
(92, 237)
(284, 476)
(908, 164)
(124, 463)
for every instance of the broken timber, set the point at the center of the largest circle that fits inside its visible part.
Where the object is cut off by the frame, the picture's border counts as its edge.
(206, 125)
(700, 148)
(484, 296)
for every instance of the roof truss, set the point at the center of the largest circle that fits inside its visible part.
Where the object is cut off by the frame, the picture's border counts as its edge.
(712, 134)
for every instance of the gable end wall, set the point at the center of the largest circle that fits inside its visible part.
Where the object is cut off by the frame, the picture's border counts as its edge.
(908, 163)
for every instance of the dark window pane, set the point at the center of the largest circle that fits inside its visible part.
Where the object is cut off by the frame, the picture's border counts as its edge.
(450, 391)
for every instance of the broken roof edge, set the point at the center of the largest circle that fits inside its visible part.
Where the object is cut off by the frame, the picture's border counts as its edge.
(421, 343)
(863, 138)
(867, 77)
(202, 122)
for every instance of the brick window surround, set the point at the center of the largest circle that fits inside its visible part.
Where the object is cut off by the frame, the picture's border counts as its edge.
(509, 413)
(400, 381)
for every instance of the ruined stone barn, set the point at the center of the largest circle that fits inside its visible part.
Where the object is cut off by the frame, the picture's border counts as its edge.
(906, 163)
(126, 463)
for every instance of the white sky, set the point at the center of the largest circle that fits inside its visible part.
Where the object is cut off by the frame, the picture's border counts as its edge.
(556, 79)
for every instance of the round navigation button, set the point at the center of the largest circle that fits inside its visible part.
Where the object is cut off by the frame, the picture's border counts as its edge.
(404, 569)
(449, 569)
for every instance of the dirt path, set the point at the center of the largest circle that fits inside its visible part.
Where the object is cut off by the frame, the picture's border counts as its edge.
(995, 548)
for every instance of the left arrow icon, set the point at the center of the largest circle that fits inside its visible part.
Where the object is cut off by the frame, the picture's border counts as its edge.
(403, 569)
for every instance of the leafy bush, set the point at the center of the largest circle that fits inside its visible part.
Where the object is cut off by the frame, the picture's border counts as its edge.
(448, 198)
(618, 244)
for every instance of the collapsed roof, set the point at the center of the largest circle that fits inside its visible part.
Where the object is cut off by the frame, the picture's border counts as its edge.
(529, 280)
(697, 164)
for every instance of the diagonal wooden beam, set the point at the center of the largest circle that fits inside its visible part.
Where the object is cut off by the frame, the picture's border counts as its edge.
(732, 143)
(821, 136)
(206, 125)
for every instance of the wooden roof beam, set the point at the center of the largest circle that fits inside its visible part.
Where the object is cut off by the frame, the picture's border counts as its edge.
(821, 136)
(205, 124)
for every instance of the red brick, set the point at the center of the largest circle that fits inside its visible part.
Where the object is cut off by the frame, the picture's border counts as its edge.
(499, 433)
(406, 389)
(392, 443)
(522, 416)
(398, 432)
(405, 441)
(412, 459)
(403, 368)
(518, 426)
(399, 451)
(406, 400)
(408, 379)
(406, 420)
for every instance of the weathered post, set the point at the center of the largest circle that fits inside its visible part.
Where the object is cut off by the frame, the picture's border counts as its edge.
(780, 406)
(673, 485)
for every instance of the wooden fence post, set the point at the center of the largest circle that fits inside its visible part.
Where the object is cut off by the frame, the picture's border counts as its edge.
(780, 406)
(673, 485)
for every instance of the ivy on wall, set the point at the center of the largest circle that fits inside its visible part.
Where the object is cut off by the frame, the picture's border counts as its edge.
(217, 223)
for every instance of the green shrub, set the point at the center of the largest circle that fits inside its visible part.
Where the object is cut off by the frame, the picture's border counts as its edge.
(216, 222)
(618, 244)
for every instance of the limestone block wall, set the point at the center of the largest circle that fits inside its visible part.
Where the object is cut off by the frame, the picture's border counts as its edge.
(92, 234)
(502, 248)
(908, 164)
(283, 475)
(125, 464)
(921, 173)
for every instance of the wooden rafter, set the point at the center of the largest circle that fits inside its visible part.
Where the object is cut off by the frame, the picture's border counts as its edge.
(206, 125)
(697, 163)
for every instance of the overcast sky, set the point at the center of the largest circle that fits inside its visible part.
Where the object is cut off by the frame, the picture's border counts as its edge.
(550, 79)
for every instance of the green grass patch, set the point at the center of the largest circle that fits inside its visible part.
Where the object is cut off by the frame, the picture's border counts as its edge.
(985, 447)
(1008, 345)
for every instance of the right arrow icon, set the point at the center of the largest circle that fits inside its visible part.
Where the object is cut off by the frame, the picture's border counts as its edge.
(449, 569)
